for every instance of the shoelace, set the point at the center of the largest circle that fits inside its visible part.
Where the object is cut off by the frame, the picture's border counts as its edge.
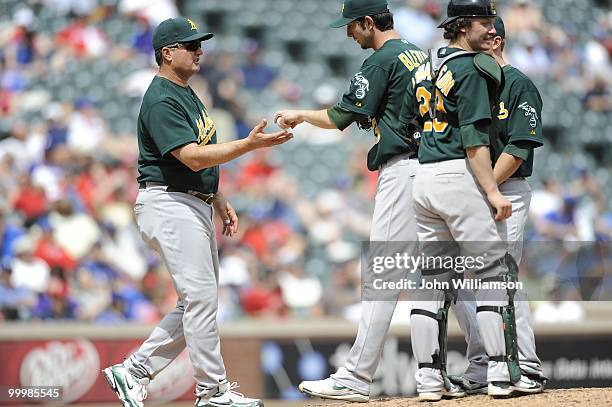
(142, 391)
(232, 386)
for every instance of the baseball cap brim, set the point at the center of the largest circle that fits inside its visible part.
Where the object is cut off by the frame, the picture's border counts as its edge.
(198, 36)
(341, 22)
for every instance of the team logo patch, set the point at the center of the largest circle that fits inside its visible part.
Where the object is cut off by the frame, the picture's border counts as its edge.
(206, 129)
(362, 85)
(192, 25)
(530, 112)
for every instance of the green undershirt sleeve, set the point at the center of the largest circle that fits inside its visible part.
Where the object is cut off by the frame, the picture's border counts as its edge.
(520, 149)
(475, 134)
(342, 117)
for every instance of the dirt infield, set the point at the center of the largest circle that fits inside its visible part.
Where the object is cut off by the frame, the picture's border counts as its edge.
(564, 397)
(550, 398)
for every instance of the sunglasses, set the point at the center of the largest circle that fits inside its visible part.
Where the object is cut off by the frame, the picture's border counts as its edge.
(189, 46)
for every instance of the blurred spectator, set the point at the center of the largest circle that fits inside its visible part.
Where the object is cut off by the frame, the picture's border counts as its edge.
(263, 299)
(56, 302)
(155, 11)
(57, 130)
(92, 294)
(560, 225)
(28, 271)
(115, 313)
(122, 251)
(83, 39)
(545, 200)
(21, 146)
(30, 200)
(301, 293)
(585, 186)
(598, 97)
(10, 231)
(12, 78)
(530, 57)
(86, 129)
(143, 37)
(77, 233)
(71, 7)
(224, 80)
(24, 53)
(50, 173)
(569, 68)
(8, 184)
(15, 302)
(134, 306)
(20, 48)
(597, 56)
(522, 16)
(257, 75)
(136, 83)
(417, 22)
(48, 250)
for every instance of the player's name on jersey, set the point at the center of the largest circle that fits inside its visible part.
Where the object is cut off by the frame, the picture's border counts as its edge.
(444, 83)
(455, 284)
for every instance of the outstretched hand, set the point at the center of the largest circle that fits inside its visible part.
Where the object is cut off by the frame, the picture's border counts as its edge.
(287, 119)
(259, 139)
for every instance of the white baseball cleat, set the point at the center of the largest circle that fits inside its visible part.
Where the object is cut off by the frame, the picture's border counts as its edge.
(130, 390)
(454, 392)
(525, 385)
(227, 397)
(329, 389)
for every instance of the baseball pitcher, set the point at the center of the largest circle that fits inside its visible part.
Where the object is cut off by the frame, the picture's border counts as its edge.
(373, 101)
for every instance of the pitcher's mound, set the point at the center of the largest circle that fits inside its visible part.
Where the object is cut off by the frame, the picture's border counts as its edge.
(552, 397)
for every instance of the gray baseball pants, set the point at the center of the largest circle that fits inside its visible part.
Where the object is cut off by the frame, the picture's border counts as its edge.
(393, 220)
(518, 193)
(453, 214)
(180, 228)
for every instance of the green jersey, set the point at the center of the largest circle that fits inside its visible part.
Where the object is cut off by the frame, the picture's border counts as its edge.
(519, 119)
(172, 116)
(462, 97)
(377, 92)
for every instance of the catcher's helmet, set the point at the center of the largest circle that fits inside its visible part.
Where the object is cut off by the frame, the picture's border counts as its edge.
(469, 8)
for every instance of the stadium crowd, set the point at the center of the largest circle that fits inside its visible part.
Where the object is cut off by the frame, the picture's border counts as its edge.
(68, 243)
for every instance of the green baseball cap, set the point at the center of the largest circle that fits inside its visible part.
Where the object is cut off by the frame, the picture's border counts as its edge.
(354, 9)
(499, 27)
(175, 30)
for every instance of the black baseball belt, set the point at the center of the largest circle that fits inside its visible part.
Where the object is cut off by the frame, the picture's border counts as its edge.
(208, 198)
